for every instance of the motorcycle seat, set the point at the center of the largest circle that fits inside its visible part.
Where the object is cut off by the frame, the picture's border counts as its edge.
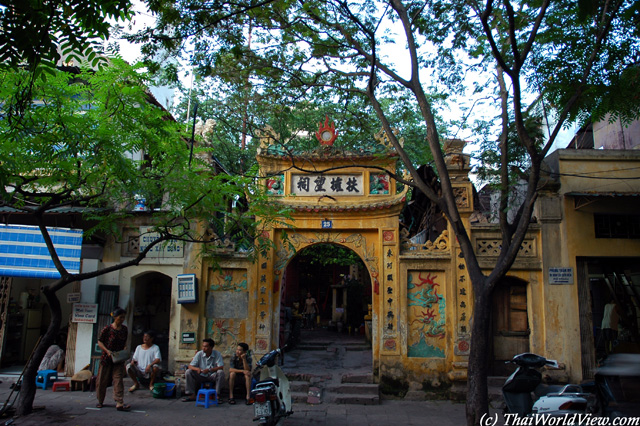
(543, 390)
(275, 381)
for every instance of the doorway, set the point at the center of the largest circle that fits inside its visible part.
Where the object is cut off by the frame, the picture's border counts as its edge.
(152, 311)
(338, 280)
(509, 324)
(604, 281)
(25, 317)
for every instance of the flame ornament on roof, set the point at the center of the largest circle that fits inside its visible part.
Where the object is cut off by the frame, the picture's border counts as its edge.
(326, 133)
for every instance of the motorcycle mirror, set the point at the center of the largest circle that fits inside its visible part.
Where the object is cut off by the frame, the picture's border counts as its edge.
(552, 363)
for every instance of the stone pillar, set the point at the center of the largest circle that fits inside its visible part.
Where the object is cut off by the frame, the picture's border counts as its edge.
(461, 294)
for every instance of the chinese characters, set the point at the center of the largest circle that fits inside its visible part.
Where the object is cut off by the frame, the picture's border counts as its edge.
(326, 184)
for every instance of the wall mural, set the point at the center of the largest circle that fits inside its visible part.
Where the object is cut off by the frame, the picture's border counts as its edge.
(426, 315)
(231, 285)
(379, 183)
(275, 185)
(224, 334)
(228, 280)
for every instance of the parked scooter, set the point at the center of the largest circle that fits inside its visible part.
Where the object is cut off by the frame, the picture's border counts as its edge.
(271, 396)
(551, 400)
(617, 384)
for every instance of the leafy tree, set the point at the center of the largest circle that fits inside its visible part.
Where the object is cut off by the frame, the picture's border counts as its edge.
(329, 254)
(37, 33)
(292, 120)
(93, 140)
(574, 55)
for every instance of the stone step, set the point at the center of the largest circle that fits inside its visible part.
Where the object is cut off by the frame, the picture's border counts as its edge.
(313, 347)
(320, 346)
(495, 394)
(306, 377)
(299, 397)
(357, 348)
(314, 344)
(496, 381)
(355, 399)
(299, 385)
(357, 378)
(356, 388)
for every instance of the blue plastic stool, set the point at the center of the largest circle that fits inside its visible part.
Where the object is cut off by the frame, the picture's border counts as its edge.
(45, 378)
(207, 395)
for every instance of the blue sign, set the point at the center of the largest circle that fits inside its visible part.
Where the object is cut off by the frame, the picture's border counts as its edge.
(327, 224)
(23, 252)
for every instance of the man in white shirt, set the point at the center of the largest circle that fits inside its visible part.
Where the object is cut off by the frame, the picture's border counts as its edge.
(206, 367)
(145, 362)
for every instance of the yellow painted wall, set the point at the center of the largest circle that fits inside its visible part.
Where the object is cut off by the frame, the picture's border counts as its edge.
(569, 233)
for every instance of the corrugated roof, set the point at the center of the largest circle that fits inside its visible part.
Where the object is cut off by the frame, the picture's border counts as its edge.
(603, 194)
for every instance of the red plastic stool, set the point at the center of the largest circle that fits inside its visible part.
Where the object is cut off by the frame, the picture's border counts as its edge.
(60, 385)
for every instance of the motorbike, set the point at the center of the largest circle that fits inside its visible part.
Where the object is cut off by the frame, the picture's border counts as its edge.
(271, 395)
(617, 383)
(550, 400)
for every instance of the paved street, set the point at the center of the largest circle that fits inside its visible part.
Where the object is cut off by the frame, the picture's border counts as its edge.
(78, 408)
(329, 359)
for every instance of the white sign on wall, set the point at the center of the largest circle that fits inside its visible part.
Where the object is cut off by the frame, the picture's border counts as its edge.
(560, 275)
(85, 313)
(74, 297)
(169, 248)
(327, 184)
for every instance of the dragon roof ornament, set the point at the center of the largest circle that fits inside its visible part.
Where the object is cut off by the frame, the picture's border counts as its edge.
(383, 139)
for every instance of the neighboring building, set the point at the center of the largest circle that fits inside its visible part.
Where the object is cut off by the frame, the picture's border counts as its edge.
(616, 135)
(607, 135)
(587, 219)
(590, 225)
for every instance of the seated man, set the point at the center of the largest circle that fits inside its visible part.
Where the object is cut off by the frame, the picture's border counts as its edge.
(54, 358)
(145, 362)
(240, 365)
(206, 367)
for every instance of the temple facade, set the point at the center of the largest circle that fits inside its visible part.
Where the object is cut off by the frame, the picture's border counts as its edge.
(421, 300)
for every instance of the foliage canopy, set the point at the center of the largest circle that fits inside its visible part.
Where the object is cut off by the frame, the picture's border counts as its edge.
(96, 140)
(37, 33)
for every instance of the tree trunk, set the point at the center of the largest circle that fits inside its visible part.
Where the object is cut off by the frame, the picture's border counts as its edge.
(477, 392)
(28, 387)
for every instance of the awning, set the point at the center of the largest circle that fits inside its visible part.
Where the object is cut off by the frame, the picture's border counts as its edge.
(582, 199)
(23, 252)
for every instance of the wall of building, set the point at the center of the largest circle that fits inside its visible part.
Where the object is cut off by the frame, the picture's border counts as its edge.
(125, 279)
(567, 216)
(616, 135)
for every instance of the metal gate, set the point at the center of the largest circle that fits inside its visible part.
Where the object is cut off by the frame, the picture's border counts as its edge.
(5, 294)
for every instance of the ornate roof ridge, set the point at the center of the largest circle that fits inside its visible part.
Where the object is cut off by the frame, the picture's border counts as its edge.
(324, 154)
(360, 206)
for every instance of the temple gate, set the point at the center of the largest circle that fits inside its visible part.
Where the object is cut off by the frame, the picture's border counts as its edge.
(421, 297)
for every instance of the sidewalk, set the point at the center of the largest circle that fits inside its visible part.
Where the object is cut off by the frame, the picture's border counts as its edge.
(78, 408)
(330, 358)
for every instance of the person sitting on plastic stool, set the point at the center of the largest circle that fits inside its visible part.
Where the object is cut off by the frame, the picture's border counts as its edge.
(206, 367)
(145, 362)
(54, 358)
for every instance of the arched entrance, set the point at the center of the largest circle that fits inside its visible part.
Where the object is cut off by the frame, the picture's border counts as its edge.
(152, 310)
(337, 278)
